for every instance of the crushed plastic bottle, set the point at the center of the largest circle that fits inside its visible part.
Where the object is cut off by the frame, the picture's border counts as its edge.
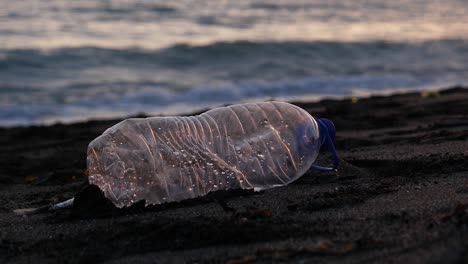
(249, 146)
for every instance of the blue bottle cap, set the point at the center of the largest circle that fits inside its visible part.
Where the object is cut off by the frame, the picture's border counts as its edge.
(327, 132)
(330, 127)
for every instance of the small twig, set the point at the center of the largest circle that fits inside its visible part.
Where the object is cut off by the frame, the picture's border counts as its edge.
(47, 208)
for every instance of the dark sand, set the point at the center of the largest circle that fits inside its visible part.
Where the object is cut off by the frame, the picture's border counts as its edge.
(401, 196)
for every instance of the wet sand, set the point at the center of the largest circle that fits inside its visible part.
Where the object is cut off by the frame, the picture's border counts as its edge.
(401, 196)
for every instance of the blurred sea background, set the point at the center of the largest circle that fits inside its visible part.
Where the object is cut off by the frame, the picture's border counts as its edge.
(63, 61)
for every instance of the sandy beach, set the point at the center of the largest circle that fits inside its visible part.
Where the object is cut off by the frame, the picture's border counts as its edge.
(400, 196)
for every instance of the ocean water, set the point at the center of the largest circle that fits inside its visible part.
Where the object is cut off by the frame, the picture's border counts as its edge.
(64, 61)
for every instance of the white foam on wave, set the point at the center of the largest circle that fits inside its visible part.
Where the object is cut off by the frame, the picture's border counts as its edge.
(169, 102)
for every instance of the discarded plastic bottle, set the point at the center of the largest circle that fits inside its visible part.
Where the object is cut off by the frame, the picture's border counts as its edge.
(249, 146)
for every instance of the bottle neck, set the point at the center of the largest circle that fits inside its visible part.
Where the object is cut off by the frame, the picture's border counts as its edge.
(326, 130)
(327, 134)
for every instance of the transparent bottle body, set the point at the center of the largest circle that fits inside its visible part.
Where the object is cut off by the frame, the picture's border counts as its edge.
(163, 159)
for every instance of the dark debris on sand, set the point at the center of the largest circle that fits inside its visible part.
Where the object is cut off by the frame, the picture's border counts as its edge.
(401, 196)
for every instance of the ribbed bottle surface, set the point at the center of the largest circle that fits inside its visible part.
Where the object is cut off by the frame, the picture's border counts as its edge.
(162, 159)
